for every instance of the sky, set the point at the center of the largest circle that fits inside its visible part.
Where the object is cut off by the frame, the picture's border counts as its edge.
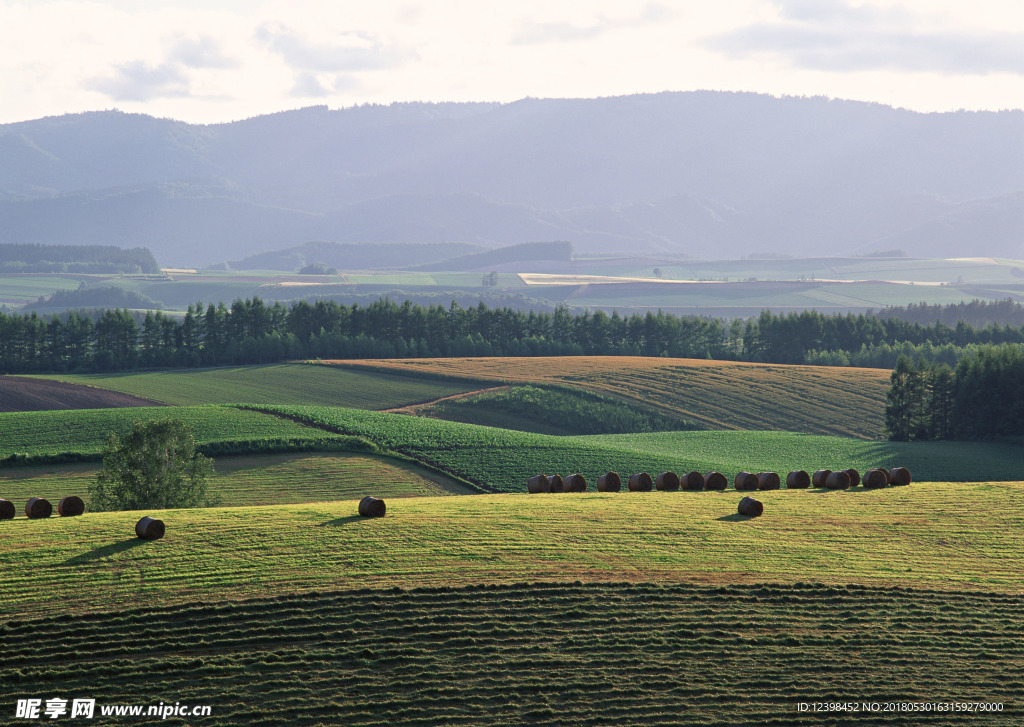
(210, 61)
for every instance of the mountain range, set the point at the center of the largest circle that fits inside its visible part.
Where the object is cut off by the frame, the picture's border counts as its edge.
(698, 174)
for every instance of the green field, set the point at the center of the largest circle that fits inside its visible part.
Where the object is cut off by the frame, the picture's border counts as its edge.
(539, 654)
(278, 384)
(266, 479)
(504, 460)
(84, 431)
(953, 537)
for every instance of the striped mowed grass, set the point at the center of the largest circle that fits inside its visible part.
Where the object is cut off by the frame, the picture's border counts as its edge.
(842, 401)
(945, 536)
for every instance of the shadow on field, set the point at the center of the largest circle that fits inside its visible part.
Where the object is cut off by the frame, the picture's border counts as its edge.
(340, 521)
(103, 552)
(734, 518)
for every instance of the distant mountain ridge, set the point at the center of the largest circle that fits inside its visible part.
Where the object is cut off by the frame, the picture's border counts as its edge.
(703, 174)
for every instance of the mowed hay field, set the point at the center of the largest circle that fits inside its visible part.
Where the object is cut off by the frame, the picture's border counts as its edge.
(265, 479)
(713, 394)
(953, 537)
(275, 384)
(503, 459)
(545, 654)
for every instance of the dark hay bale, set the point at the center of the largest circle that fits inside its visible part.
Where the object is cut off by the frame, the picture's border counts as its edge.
(149, 528)
(838, 481)
(540, 483)
(640, 482)
(745, 481)
(875, 479)
(854, 477)
(693, 481)
(556, 483)
(899, 476)
(715, 481)
(750, 507)
(885, 472)
(819, 477)
(667, 481)
(609, 482)
(70, 506)
(768, 481)
(372, 507)
(575, 483)
(6, 510)
(37, 507)
(798, 480)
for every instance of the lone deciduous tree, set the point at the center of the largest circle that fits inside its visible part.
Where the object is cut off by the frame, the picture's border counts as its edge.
(154, 467)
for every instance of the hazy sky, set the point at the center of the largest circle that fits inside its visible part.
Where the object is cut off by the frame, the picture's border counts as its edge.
(208, 61)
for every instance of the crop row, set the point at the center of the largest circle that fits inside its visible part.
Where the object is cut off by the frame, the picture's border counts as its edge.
(278, 384)
(529, 653)
(503, 460)
(714, 394)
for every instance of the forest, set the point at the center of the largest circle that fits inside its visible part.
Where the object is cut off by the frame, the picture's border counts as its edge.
(15, 258)
(251, 331)
(982, 398)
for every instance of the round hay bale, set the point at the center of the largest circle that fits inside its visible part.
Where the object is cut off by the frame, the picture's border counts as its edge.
(768, 481)
(609, 482)
(854, 477)
(693, 481)
(540, 483)
(875, 479)
(745, 481)
(70, 506)
(6, 509)
(575, 483)
(37, 507)
(667, 481)
(838, 481)
(899, 476)
(149, 528)
(818, 478)
(372, 507)
(715, 481)
(885, 472)
(798, 480)
(556, 483)
(750, 507)
(640, 482)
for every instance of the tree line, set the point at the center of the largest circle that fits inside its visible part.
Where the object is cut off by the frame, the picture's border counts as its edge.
(982, 398)
(34, 258)
(253, 331)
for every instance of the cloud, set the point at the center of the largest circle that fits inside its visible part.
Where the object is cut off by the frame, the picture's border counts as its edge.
(531, 33)
(139, 81)
(201, 52)
(835, 36)
(351, 52)
(312, 85)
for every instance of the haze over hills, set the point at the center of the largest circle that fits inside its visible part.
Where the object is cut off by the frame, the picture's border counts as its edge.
(701, 174)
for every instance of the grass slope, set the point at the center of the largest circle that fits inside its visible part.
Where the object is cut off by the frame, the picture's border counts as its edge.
(942, 536)
(47, 433)
(713, 394)
(272, 479)
(504, 460)
(540, 654)
(277, 384)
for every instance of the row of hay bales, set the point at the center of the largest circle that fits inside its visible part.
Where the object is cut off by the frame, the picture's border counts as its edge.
(796, 480)
(38, 507)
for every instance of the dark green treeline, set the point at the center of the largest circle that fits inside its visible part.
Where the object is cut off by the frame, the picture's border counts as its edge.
(252, 332)
(982, 398)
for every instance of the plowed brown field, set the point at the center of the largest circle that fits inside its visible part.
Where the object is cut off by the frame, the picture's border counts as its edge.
(19, 393)
(841, 401)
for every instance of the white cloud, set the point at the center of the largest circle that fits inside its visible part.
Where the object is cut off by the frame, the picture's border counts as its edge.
(835, 36)
(138, 81)
(346, 52)
(531, 32)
